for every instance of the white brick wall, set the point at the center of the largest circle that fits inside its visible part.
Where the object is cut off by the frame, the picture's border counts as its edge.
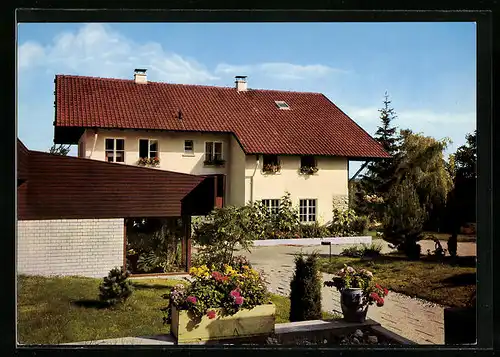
(84, 247)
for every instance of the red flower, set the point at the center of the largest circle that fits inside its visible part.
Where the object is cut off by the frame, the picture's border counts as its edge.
(380, 302)
(378, 286)
(191, 299)
(375, 296)
(235, 293)
(238, 300)
(211, 314)
(386, 291)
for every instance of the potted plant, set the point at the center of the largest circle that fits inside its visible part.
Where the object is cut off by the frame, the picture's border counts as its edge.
(308, 170)
(357, 292)
(271, 168)
(148, 161)
(220, 305)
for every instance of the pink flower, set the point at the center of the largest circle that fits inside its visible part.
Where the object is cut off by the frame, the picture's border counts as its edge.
(380, 302)
(211, 314)
(238, 300)
(191, 299)
(235, 293)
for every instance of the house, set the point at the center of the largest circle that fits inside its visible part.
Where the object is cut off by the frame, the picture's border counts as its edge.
(258, 143)
(71, 211)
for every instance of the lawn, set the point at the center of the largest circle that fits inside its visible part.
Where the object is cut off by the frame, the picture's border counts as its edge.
(65, 309)
(447, 283)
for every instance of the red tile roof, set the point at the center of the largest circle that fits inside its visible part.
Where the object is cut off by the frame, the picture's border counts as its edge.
(58, 187)
(313, 125)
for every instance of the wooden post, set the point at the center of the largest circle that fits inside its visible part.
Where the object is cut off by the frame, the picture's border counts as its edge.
(186, 241)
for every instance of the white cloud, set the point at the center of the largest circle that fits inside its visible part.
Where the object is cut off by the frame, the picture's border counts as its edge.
(97, 50)
(279, 70)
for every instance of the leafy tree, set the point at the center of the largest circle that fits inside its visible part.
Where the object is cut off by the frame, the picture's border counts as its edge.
(60, 149)
(421, 161)
(462, 199)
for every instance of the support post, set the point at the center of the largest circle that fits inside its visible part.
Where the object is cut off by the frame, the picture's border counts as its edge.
(186, 242)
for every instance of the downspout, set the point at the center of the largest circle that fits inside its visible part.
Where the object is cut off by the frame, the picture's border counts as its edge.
(93, 147)
(251, 178)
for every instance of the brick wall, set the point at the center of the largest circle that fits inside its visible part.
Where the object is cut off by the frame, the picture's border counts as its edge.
(84, 247)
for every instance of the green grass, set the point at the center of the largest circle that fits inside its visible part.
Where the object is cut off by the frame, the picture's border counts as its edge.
(447, 283)
(66, 309)
(283, 309)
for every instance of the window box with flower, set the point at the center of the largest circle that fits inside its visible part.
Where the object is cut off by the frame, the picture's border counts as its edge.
(214, 162)
(149, 161)
(220, 305)
(357, 291)
(271, 168)
(308, 170)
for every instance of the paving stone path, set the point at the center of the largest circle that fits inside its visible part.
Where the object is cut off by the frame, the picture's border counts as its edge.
(414, 319)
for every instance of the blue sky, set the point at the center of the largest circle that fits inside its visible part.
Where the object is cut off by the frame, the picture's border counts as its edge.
(428, 69)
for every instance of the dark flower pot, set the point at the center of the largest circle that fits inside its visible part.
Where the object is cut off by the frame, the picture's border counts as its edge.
(351, 304)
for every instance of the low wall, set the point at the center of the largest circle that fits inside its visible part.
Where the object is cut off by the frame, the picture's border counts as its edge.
(313, 241)
(83, 247)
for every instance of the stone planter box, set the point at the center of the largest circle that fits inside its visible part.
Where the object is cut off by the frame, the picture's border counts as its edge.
(258, 321)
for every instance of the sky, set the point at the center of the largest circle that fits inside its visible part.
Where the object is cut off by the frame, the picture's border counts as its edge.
(427, 69)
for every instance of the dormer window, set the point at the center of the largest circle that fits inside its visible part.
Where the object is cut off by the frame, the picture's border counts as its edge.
(282, 105)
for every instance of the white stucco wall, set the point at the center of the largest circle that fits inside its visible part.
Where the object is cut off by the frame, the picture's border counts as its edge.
(83, 247)
(170, 146)
(328, 184)
(235, 189)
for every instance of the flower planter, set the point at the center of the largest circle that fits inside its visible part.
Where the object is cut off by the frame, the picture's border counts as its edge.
(352, 308)
(245, 323)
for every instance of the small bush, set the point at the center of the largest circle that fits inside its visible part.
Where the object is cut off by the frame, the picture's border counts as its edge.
(314, 230)
(115, 288)
(305, 289)
(362, 250)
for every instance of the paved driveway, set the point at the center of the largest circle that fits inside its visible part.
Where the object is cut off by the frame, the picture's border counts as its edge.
(414, 319)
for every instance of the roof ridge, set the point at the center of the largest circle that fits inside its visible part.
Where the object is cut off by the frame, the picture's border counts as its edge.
(184, 84)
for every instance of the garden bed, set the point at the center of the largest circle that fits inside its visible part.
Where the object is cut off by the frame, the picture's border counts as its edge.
(314, 241)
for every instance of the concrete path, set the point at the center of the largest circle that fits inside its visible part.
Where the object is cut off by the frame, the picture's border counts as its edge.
(414, 319)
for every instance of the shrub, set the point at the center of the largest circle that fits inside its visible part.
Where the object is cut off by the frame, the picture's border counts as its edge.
(224, 229)
(305, 289)
(313, 230)
(228, 288)
(345, 223)
(115, 288)
(404, 218)
(287, 220)
(362, 250)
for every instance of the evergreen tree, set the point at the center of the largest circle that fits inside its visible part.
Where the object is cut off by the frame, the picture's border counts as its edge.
(305, 289)
(60, 149)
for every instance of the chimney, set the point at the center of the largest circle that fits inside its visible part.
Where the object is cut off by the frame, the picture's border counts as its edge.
(241, 83)
(140, 76)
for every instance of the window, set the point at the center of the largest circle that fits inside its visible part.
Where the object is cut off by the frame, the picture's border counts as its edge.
(273, 205)
(270, 160)
(307, 161)
(188, 147)
(307, 210)
(282, 105)
(213, 151)
(148, 148)
(115, 150)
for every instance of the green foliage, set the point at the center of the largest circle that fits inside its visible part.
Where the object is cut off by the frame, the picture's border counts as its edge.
(222, 231)
(362, 250)
(228, 289)
(345, 223)
(305, 289)
(404, 218)
(60, 149)
(314, 230)
(115, 288)
(287, 218)
(156, 242)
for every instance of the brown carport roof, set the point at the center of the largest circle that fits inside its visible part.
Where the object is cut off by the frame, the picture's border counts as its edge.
(59, 187)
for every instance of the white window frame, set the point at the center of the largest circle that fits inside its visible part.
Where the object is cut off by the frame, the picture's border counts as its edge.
(114, 150)
(149, 147)
(189, 153)
(308, 215)
(213, 149)
(272, 204)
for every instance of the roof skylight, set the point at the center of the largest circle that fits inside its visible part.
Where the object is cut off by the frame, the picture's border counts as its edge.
(281, 104)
